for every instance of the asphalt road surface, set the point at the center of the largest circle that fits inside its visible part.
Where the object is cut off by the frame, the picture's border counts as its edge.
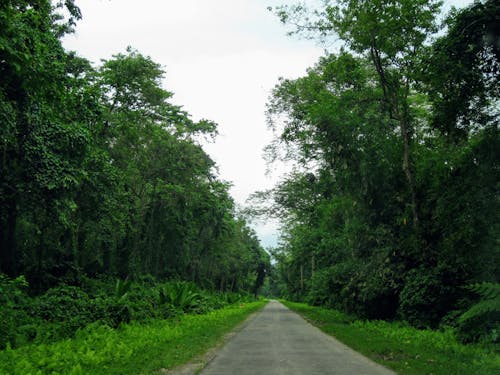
(279, 342)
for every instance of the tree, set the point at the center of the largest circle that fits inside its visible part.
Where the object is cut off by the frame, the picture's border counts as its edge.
(101, 174)
(43, 142)
(393, 35)
(347, 209)
(461, 72)
(345, 195)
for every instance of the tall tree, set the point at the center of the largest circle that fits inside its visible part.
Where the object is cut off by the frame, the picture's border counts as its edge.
(393, 35)
(461, 72)
(42, 141)
(347, 208)
(101, 173)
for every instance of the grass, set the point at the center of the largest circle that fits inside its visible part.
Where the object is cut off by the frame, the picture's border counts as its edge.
(136, 348)
(403, 348)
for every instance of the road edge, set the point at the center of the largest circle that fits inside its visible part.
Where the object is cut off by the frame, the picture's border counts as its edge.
(198, 363)
(353, 351)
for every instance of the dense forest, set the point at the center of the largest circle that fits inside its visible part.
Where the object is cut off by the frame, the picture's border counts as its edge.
(392, 210)
(100, 173)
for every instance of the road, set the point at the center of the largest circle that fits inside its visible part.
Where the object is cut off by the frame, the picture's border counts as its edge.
(280, 342)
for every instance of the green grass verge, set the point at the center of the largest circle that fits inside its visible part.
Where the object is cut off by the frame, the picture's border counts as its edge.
(403, 348)
(132, 349)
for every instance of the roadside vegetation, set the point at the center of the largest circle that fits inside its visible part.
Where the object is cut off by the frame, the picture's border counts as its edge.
(112, 326)
(101, 174)
(144, 347)
(407, 350)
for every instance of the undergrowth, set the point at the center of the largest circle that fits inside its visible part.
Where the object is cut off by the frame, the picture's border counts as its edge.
(62, 310)
(138, 347)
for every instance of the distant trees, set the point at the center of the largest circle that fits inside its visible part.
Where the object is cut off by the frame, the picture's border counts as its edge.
(101, 174)
(359, 234)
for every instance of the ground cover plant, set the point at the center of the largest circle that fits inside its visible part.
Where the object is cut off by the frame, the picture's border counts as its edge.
(138, 347)
(62, 310)
(403, 348)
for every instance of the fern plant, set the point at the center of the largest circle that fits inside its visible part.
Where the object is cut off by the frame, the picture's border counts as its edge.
(122, 287)
(181, 295)
(489, 303)
(481, 322)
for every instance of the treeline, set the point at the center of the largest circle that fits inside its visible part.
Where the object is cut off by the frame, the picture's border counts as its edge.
(393, 209)
(100, 174)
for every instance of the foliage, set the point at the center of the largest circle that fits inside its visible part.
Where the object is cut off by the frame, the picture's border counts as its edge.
(461, 71)
(13, 297)
(424, 298)
(101, 174)
(104, 181)
(122, 287)
(481, 321)
(136, 347)
(63, 310)
(183, 296)
(489, 303)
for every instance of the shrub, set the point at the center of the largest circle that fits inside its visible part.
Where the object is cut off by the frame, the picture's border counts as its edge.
(113, 311)
(182, 295)
(61, 311)
(64, 309)
(319, 292)
(12, 291)
(61, 303)
(425, 298)
(122, 287)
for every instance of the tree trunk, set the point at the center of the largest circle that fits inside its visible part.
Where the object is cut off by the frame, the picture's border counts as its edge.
(221, 285)
(405, 134)
(301, 277)
(9, 261)
(398, 110)
(313, 264)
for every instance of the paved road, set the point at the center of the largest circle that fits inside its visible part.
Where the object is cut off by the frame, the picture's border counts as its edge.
(279, 342)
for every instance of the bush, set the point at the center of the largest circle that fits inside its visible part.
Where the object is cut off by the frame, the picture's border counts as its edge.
(425, 298)
(134, 348)
(62, 310)
(112, 311)
(182, 295)
(319, 291)
(61, 303)
(12, 291)
(351, 286)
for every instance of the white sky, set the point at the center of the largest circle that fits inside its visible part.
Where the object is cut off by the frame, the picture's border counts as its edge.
(222, 58)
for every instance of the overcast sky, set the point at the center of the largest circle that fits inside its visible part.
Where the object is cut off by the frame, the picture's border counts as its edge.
(222, 58)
